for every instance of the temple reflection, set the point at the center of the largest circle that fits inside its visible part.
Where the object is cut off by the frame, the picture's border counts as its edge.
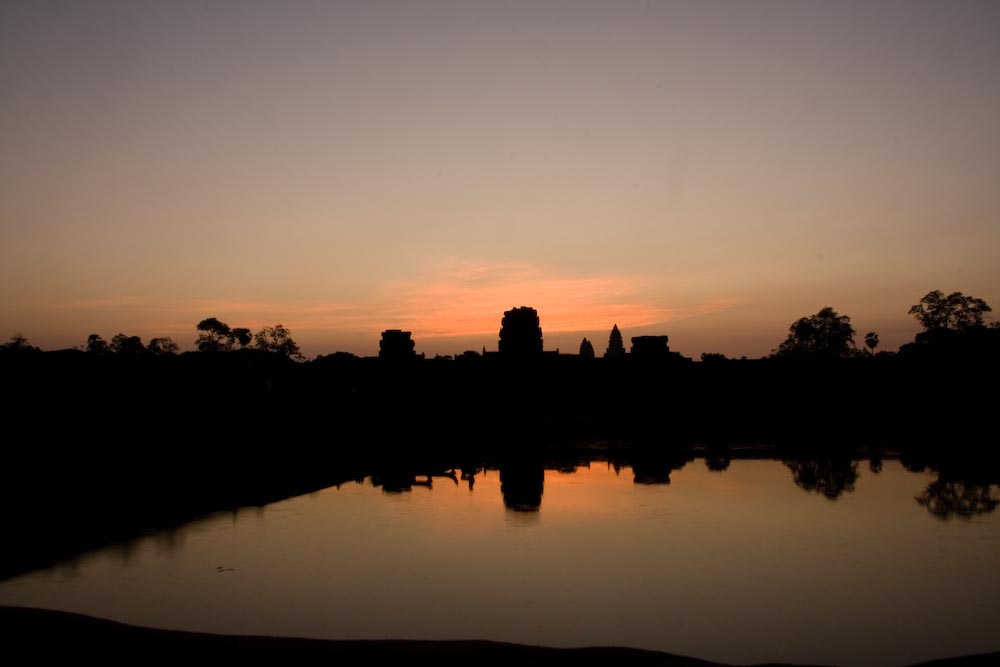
(952, 490)
(521, 485)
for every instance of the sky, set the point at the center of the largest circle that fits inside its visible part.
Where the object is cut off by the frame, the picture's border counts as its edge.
(707, 170)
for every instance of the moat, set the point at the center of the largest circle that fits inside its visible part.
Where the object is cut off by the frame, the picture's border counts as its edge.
(755, 560)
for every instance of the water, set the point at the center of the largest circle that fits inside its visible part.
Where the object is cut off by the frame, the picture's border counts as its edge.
(740, 566)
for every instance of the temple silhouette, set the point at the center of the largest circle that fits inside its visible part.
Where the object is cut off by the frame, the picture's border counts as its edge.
(616, 348)
(396, 345)
(650, 347)
(520, 333)
(521, 338)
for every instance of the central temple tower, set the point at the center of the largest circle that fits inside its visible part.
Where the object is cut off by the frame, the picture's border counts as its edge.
(520, 333)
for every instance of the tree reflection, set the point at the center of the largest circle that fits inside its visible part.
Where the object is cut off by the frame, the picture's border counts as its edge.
(951, 498)
(831, 477)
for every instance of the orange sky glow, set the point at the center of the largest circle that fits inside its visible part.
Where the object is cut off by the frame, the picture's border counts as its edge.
(709, 171)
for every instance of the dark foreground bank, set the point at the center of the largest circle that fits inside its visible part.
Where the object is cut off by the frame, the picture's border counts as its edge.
(40, 635)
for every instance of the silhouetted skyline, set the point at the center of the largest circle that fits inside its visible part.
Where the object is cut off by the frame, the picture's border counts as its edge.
(954, 319)
(705, 170)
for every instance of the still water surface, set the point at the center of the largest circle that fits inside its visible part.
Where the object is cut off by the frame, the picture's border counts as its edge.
(741, 566)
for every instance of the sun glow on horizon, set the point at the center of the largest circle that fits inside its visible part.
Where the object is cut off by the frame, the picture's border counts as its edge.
(450, 299)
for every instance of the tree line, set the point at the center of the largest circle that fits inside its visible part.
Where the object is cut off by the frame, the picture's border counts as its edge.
(214, 336)
(829, 334)
(826, 334)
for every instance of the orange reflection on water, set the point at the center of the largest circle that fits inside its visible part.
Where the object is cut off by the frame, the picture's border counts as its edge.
(740, 566)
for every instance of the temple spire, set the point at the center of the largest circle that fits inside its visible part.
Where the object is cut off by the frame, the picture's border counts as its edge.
(616, 348)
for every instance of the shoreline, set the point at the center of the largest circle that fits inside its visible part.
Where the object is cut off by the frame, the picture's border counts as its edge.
(44, 633)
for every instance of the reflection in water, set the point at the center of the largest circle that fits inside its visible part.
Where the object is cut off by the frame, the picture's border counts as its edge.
(831, 477)
(170, 540)
(612, 563)
(400, 478)
(469, 475)
(947, 499)
(654, 467)
(963, 489)
(717, 463)
(521, 485)
(650, 473)
(393, 479)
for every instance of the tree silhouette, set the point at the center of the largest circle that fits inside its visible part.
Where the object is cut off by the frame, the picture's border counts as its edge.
(955, 311)
(18, 343)
(586, 349)
(96, 344)
(162, 346)
(277, 339)
(241, 336)
(126, 345)
(825, 334)
(616, 348)
(871, 340)
(215, 336)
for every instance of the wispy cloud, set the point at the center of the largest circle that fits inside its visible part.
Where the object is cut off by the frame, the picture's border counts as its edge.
(463, 297)
(449, 298)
